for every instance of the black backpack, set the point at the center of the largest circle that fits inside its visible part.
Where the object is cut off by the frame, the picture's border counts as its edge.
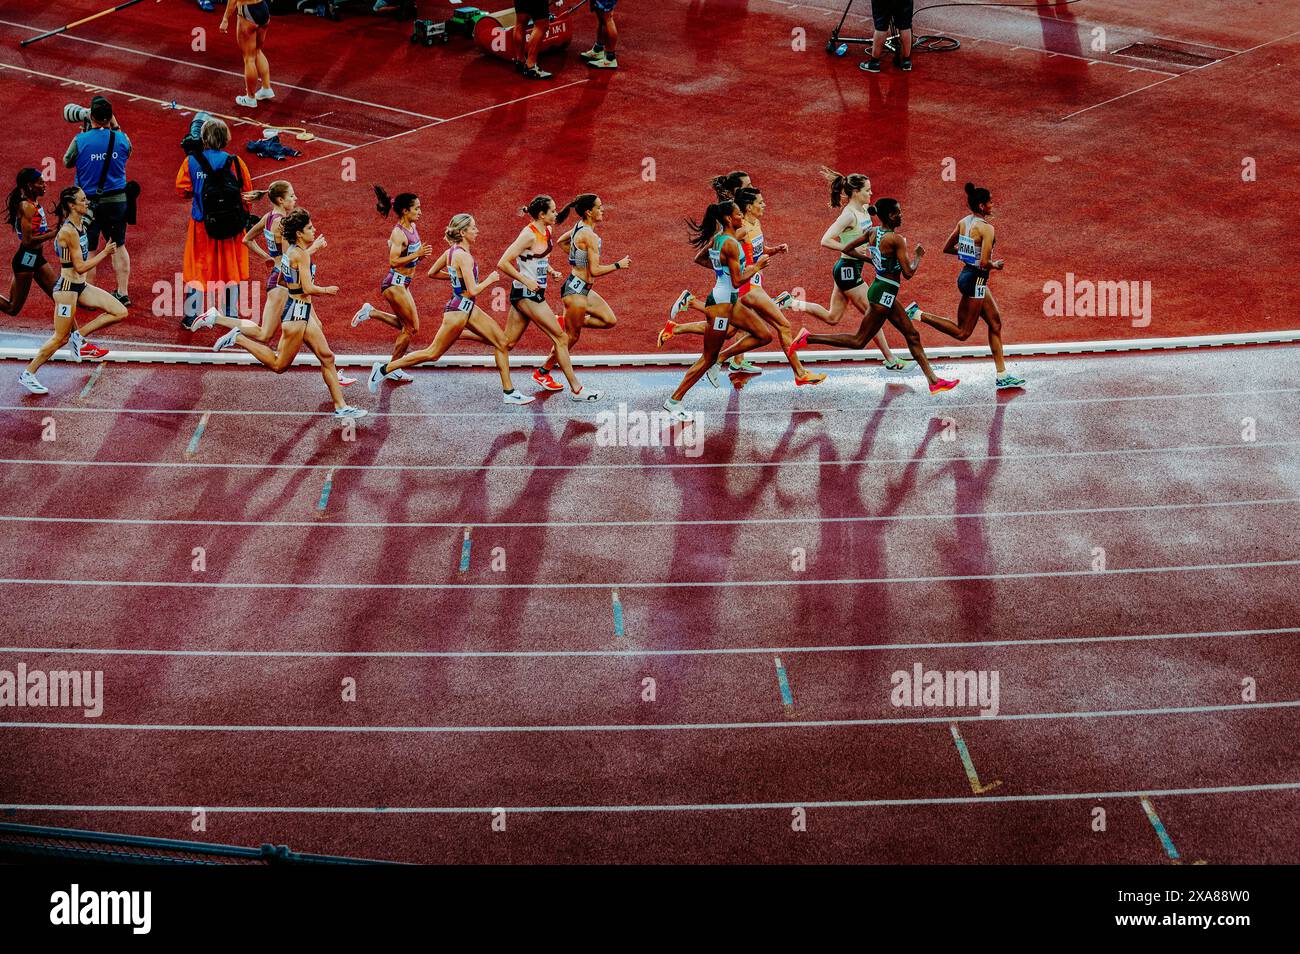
(224, 216)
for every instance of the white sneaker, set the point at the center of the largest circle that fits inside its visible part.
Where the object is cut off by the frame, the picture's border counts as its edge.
(516, 397)
(207, 320)
(376, 375)
(350, 413)
(248, 101)
(227, 340)
(712, 375)
(399, 375)
(675, 410)
(584, 394)
(264, 93)
(75, 341)
(28, 380)
(363, 313)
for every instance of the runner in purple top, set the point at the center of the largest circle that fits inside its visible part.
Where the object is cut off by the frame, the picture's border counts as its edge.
(404, 253)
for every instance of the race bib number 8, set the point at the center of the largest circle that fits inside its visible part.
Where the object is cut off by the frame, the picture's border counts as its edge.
(720, 323)
(887, 299)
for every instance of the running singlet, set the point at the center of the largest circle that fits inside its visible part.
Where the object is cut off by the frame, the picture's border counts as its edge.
(723, 289)
(534, 265)
(578, 257)
(887, 266)
(967, 251)
(460, 301)
(65, 255)
(75, 282)
(394, 277)
(40, 225)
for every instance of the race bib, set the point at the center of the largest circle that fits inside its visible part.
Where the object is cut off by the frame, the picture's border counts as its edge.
(466, 305)
(28, 259)
(299, 311)
(887, 299)
(848, 273)
(63, 311)
(720, 323)
(980, 288)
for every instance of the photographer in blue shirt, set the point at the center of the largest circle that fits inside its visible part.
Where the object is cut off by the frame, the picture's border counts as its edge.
(99, 154)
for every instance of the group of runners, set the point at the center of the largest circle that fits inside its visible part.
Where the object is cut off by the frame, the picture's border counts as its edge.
(738, 314)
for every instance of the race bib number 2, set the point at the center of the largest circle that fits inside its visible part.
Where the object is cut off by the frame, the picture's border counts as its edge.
(64, 311)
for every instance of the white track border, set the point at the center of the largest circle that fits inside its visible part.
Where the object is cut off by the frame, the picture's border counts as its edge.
(671, 358)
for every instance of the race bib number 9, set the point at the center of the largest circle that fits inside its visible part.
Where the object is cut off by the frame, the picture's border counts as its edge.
(720, 323)
(887, 299)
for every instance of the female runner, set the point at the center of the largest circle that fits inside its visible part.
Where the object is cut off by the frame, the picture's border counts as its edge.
(526, 261)
(461, 313)
(253, 17)
(892, 264)
(584, 307)
(404, 253)
(972, 242)
(299, 323)
(71, 289)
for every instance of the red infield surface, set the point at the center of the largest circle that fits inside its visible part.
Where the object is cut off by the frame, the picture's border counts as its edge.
(685, 653)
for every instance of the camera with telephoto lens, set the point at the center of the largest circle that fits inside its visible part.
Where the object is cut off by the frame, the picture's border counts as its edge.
(77, 114)
(192, 144)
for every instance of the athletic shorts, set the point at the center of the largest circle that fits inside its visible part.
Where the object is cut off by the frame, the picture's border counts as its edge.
(110, 221)
(848, 273)
(532, 9)
(573, 285)
(459, 303)
(900, 11)
(604, 6)
(258, 14)
(882, 293)
(63, 285)
(393, 278)
(29, 259)
(711, 301)
(273, 280)
(523, 294)
(295, 309)
(972, 281)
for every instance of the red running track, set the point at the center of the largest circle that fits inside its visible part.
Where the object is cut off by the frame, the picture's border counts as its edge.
(1097, 172)
(850, 532)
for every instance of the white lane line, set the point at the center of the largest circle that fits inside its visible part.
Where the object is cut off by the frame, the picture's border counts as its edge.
(1017, 405)
(134, 98)
(1194, 69)
(662, 465)
(656, 727)
(589, 524)
(474, 112)
(615, 653)
(214, 69)
(195, 585)
(607, 809)
(611, 809)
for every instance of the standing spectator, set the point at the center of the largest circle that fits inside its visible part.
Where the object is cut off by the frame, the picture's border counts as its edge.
(252, 19)
(882, 12)
(602, 56)
(538, 13)
(214, 266)
(99, 155)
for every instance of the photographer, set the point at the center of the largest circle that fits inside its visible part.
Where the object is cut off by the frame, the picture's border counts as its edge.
(220, 189)
(99, 154)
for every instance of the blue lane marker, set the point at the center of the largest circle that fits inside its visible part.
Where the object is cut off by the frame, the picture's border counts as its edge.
(1159, 826)
(198, 435)
(325, 493)
(618, 613)
(787, 697)
(968, 764)
(464, 552)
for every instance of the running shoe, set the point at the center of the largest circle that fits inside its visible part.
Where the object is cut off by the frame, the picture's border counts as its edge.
(871, 66)
(92, 352)
(207, 320)
(535, 72)
(264, 93)
(675, 411)
(739, 365)
(399, 375)
(712, 375)
(942, 385)
(900, 365)
(343, 378)
(592, 54)
(800, 341)
(809, 377)
(123, 300)
(247, 101)
(783, 300)
(544, 380)
(516, 397)
(665, 333)
(1009, 380)
(376, 375)
(606, 62)
(75, 341)
(28, 380)
(349, 413)
(905, 64)
(913, 311)
(363, 314)
(584, 394)
(227, 340)
(681, 304)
